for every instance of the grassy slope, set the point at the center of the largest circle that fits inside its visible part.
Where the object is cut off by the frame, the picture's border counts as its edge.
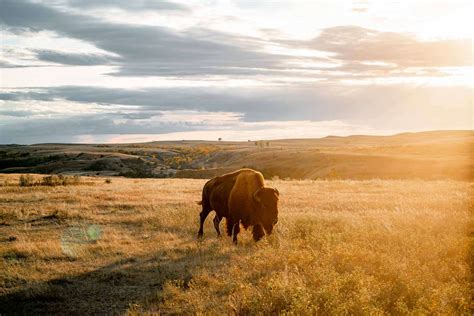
(340, 247)
(427, 155)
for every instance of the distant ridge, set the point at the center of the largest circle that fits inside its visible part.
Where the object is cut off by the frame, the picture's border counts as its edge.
(424, 155)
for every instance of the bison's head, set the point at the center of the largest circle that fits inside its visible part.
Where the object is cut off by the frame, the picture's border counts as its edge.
(267, 200)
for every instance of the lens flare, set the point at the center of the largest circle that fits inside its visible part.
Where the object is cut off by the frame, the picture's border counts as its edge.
(75, 240)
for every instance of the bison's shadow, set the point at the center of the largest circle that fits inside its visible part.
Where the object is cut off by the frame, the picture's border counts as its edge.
(112, 288)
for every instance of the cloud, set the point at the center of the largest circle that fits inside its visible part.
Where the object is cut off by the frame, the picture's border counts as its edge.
(74, 58)
(135, 5)
(395, 105)
(34, 115)
(5, 64)
(357, 44)
(359, 10)
(144, 50)
(24, 128)
(15, 113)
(360, 6)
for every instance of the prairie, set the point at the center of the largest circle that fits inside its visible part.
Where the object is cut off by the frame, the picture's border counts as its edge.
(129, 246)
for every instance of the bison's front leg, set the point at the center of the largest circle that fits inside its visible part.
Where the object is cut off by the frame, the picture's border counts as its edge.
(235, 231)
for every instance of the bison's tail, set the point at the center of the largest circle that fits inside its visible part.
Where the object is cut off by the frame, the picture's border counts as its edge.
(199, 202)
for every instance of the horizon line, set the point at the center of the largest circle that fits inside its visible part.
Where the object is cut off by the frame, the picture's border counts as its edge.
(246, 141)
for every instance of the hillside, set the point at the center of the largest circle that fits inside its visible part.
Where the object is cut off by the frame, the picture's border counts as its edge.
(425, 155)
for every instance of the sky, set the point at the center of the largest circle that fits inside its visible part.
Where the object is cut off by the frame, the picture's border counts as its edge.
(108, 71)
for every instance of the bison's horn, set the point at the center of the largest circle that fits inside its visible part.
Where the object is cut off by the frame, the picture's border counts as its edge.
(255, 196)
(277, 192)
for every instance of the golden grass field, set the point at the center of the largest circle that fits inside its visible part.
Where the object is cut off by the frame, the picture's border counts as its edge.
(340, 247)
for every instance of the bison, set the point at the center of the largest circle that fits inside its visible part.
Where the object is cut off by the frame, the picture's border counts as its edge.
(242, 198)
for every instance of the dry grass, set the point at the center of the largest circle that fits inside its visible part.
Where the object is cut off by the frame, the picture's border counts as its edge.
(340, 247)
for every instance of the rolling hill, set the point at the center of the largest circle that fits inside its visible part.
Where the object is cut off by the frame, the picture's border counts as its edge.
(424, 155)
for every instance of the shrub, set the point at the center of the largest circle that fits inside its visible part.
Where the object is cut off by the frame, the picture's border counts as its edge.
(75, 179)
(26, 180)
(108, 181)
(51, 180)
(98, 165)
(54, 180)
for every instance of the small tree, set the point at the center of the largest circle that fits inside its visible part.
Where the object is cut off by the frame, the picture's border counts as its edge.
(219, 138)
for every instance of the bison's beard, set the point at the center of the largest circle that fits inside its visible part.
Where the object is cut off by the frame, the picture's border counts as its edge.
(257, 232)
(268, 229)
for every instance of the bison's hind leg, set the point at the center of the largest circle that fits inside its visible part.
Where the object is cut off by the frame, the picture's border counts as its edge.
(202, 217)
(257, 232)
(235, 231)
(229, 227)
(217, 221)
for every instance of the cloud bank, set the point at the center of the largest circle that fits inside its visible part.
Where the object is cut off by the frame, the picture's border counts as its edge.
(177, 73)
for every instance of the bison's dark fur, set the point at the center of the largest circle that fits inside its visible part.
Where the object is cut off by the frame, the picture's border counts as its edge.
(241, 198)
